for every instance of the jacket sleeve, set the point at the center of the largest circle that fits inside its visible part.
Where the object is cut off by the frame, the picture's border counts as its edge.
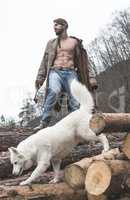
(91, 71)
(42, 72)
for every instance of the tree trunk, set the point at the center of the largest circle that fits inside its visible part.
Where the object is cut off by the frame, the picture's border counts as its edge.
(110, 122)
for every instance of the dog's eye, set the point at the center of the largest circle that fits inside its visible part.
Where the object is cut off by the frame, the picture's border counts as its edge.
(15, 163)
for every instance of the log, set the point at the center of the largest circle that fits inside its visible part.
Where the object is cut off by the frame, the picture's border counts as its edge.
(43, 179)
(126, 146)
(10, 138)
(98, 178)
(60, 191)
(76, 172)
(100, 173)
(110, 122)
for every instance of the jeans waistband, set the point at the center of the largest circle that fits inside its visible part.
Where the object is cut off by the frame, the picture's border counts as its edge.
(63, 68)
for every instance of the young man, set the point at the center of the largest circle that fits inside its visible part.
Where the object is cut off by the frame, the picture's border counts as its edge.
(64, 59)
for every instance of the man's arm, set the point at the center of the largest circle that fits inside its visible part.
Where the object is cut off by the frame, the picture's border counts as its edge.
(42, 72)
(91, 74)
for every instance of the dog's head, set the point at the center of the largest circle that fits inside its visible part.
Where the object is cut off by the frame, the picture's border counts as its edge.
(18, 161)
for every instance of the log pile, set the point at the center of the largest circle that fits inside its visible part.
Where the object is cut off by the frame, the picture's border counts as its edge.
(101, 176)
(88, 175)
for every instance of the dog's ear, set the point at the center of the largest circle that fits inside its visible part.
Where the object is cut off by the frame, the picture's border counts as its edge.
(13, 150)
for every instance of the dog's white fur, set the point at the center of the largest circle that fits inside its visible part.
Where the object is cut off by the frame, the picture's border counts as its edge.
(52, 144)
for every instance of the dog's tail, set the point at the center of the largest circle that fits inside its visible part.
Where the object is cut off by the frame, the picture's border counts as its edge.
(82, 95)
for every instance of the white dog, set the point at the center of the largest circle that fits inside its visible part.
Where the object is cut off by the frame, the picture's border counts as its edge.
(52, 144)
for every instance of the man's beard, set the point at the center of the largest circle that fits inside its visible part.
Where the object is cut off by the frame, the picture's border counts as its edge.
(59, 32)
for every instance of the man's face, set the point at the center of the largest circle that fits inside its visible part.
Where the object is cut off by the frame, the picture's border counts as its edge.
(58, 28)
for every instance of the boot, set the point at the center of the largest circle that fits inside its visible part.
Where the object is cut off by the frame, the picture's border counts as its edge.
(43, 124)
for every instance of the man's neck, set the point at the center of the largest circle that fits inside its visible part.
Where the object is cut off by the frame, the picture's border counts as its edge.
(63, 36)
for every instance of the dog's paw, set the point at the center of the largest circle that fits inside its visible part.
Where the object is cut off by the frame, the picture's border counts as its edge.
(105, 150)
(25, 183)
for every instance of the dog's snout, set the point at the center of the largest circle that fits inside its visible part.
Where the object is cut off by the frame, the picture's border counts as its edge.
(14, 173)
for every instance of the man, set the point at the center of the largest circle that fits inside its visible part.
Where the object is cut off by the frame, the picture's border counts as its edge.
(64, 59)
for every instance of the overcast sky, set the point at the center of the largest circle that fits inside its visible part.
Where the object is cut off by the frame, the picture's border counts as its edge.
(25, 28)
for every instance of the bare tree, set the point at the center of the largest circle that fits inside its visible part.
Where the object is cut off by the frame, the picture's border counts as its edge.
(113, 44)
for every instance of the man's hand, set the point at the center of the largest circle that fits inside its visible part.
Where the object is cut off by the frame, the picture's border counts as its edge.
(38, 83)
(93, 83)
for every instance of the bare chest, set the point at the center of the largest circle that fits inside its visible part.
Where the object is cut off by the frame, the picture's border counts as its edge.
(66, 45)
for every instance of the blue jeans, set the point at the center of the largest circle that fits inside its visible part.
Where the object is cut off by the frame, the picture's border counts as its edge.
(59, 80)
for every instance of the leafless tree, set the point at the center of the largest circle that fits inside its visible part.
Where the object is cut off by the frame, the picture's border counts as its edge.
(113, 44)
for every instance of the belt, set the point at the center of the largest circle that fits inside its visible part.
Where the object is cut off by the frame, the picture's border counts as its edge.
(63, 68)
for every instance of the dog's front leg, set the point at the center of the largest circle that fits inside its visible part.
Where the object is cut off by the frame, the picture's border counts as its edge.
(56, 167)
(103, 139)
(41, 167)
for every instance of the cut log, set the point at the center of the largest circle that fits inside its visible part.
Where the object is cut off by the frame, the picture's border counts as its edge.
(59, 191)
(110, 122)
(98, 178)
(126, 146)
(120, 170)
(75, 173)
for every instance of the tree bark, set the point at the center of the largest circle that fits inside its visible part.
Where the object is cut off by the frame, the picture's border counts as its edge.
(110, 122)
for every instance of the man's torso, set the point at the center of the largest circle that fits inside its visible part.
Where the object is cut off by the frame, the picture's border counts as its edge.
(65, 53)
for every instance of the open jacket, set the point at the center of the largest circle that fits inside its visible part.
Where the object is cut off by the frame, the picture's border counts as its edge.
(84, 71)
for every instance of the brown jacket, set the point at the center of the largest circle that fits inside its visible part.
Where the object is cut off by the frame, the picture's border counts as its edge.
(84, 71)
